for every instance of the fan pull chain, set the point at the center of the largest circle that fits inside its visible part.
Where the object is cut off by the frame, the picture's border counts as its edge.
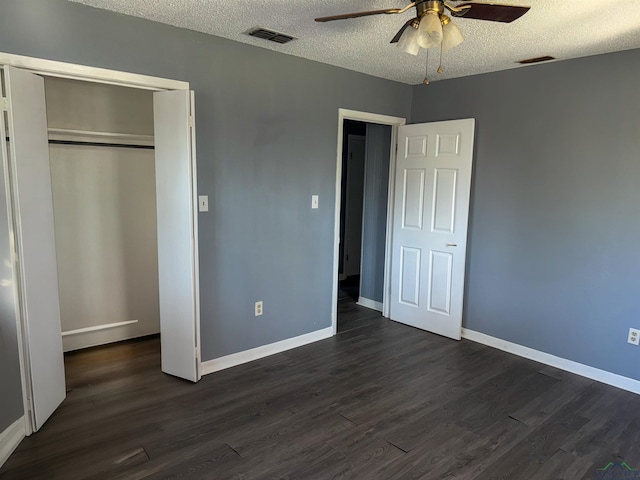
(440, 68)
(426, 71)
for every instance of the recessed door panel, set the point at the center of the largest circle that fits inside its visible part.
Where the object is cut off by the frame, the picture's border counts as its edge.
(440, 269)
(444, 200)
(448, 144)
(413, 198)
(416, 147)
(410, 276)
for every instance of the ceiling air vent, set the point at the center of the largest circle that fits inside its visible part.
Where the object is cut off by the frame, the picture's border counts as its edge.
(536, 60)
(270, 35)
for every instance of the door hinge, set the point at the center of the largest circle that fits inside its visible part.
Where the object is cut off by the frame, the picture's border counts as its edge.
(4, 104)
(191, 120)
(396, 149)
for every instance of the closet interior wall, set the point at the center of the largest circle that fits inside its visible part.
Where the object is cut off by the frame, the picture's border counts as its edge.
(103, 181)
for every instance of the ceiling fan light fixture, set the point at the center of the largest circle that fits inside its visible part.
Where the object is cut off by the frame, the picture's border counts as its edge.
(408, 42)
(451, 34)
(430, 30)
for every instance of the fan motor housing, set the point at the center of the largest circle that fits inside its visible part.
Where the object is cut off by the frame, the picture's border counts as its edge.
(425, 6)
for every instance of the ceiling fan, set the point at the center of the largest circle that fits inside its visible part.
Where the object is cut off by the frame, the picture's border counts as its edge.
(431, 27)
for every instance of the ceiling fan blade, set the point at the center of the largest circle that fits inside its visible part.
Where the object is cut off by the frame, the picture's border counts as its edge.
(401, 31)
(359, 14)
(489, 11)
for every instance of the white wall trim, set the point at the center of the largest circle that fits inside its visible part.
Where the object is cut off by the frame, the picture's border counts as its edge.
(195, 244)
(11, 438)
(66, 348)
(98, 327)
(395, 122)
(366, 302)
(613, 379)
(53, 68)
(391, 195)
(239, 358)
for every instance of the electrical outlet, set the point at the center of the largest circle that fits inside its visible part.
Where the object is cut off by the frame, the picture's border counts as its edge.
(258, 308)
(634, 336)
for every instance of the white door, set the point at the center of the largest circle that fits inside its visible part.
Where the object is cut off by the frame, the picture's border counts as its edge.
(431, 209)
(354, 200)
(177, 233)
(31, 208)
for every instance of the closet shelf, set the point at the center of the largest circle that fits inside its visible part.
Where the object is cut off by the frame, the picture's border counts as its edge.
(84, 136)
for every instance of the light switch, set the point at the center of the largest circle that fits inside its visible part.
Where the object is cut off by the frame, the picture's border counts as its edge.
(203, 203)
(314, 201)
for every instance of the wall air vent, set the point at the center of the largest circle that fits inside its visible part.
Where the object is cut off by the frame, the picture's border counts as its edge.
(536, 60)
(270, 35)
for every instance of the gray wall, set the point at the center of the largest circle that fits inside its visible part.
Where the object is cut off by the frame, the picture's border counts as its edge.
(554, 253)
(374, 221)
(266, 141)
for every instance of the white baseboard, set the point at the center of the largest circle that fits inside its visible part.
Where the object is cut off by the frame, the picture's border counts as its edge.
(97, 328)
(239, 358)
(11, 438)
(96, 339)
(613, 379)
(365, 302)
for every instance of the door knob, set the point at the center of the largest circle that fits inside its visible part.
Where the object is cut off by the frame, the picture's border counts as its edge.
(452, 244)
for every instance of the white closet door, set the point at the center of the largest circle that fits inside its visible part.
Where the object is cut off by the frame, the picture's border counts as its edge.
(35, 242)
(177, 233)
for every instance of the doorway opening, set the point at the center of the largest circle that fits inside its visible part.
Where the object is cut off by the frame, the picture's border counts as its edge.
(104, 182)
(364, 180)
(352, 194)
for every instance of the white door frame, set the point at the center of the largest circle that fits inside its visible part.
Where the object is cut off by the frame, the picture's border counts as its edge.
(394, 122)
(50, 68)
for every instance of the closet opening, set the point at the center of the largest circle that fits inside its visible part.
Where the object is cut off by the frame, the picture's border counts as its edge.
(101, 151)
(92, 140)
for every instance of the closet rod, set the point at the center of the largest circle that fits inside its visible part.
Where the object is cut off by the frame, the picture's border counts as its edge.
(100, 144)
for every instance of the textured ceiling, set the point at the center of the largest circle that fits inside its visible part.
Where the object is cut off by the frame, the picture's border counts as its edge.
(561, 28)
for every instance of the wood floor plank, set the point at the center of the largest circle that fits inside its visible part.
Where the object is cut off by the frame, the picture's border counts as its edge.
(475, 460)
(438, 446)
(524, 460)
(545, 404)
(361, 460)
(380, 400)
(565, 466)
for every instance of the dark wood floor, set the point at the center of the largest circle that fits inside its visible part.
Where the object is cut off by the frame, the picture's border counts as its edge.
(379, 400)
